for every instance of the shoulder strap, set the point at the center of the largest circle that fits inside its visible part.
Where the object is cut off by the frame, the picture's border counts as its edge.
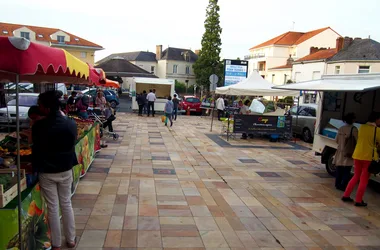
(374, 143)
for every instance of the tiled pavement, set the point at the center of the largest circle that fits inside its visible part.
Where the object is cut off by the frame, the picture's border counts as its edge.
(160, 188)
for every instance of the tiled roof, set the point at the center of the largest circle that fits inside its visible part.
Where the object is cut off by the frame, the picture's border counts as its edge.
(286, 66)
(142, 56)
(123, 68)
(177, 54)
(291, 38)
(359, 50)
(43, 34)
(319, 55)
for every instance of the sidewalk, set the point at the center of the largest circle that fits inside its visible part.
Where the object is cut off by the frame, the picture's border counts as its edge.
(182, 188)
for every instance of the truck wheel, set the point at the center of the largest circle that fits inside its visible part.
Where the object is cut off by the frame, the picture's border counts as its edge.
(330, 166)
(306, 135)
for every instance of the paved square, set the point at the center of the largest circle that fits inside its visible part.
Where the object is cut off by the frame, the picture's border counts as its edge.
(187, 188)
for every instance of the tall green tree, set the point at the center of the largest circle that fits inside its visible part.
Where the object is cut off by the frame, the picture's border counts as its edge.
(209, 57)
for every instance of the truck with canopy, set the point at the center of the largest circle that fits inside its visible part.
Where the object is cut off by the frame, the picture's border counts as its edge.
(339, 95)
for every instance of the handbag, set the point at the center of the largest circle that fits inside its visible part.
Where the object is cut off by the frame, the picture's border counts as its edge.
(374, 167)
(349, 145)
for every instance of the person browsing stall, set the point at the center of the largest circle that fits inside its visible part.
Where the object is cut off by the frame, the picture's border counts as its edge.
(244, 110)
(100, 100)
(366, 150)
(151, 98)
(54, 139)
(343, 156)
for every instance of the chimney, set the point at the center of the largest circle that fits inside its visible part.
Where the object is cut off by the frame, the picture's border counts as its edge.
(158, 52)
(313, 50)
(347, 41)
(290, 60)
(339, 44)
(197, 51)
(357, 38)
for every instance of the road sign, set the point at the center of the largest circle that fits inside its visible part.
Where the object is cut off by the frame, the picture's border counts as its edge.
(214, 79)
(213, 86)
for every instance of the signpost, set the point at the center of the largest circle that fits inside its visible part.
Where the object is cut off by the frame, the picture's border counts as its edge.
(213, 81)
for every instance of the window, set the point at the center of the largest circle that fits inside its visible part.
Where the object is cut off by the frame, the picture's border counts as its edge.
(25, 35)
(152, 68)
(61, 39)
(316, 75)
(293, 111)
(25, 101)
(5, 32)
(363, 69)
(175, 68)
(192, 100)
(297, 76)
(337, 70)
(83, 54)
(187, 70)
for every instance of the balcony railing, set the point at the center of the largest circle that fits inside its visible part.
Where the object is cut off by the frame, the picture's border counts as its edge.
(252, 56)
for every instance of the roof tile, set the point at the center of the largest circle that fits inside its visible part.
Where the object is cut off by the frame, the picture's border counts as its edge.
(291, 38)
(319, 55)
(43, 34)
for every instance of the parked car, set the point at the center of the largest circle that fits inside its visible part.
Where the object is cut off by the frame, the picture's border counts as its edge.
(8, 114)
(304, 125)
(110, 95)
(191, 102)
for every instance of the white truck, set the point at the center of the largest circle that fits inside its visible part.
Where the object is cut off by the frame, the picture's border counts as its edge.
(163, 87)
(339, 95)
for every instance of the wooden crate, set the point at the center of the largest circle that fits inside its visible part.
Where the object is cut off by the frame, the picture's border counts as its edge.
(10, 194)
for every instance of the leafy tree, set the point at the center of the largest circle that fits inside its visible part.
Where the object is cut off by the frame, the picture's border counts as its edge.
(180, 87)
(208, 62)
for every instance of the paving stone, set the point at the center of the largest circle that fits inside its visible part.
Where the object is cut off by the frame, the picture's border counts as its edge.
(187, 188)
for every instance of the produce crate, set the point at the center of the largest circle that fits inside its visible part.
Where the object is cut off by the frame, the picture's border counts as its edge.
(11, 193)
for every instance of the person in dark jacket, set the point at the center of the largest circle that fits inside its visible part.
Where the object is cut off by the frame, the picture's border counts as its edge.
(145, 107)
(141, 102)
(175, 106)
(54, 139)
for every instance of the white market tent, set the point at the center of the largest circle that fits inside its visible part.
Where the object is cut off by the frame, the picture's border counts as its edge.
(254, 85)
(349, 83)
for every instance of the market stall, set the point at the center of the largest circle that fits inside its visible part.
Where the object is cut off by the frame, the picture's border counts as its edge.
(23, 223)
(163, 87)
(253, 123)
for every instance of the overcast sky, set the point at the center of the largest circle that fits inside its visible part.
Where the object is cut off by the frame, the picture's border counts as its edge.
(125, 25)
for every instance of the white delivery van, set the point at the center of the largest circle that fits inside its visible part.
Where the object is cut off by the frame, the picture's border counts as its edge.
(163, 87)
(339, 95)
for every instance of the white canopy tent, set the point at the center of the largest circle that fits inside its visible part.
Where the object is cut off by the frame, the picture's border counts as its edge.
(254, 85)
(345, 83)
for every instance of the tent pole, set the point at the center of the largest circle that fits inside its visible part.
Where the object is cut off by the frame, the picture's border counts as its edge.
(18, 163)
(298, 107)
(212, 111)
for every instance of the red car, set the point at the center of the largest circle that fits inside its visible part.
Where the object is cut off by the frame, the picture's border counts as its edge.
(191, 102)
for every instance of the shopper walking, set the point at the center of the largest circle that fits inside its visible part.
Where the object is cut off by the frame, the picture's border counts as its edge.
(175, 106)
(151, 97)
(53, 148)
(169, 111)
(346, 140)
(365, 152)
(220, 106)
(140, 102)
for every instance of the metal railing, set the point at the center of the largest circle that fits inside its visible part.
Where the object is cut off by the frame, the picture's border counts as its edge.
(252, 56)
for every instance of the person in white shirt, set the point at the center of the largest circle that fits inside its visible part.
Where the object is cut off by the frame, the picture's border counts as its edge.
(151, 97)
(220, 106)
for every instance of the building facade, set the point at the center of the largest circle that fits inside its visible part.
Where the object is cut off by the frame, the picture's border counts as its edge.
(275, 52)
(77, 46)
(171, 63)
